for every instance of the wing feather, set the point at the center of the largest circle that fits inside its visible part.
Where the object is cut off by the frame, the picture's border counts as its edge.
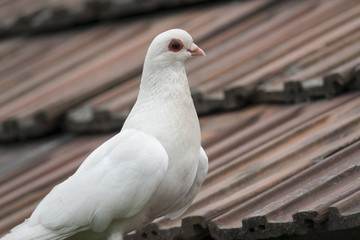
(114, 182)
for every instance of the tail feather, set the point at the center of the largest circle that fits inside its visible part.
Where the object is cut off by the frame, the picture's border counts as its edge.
(36, 232)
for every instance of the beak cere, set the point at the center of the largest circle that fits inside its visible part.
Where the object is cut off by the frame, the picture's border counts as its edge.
(195, 50)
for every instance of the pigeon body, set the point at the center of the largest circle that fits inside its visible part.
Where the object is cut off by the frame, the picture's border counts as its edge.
(154, 167)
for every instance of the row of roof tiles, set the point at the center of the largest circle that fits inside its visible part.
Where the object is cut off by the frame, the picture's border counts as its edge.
(286, 172)
(50, 74)
(274, 170)
(257, 51)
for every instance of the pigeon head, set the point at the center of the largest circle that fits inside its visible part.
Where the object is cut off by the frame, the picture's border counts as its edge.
(175, 45)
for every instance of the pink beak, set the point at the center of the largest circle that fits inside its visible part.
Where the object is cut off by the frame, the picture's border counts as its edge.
(196, 51)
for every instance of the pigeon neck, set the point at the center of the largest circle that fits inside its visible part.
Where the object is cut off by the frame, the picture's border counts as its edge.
(164, 105)
(164, 81)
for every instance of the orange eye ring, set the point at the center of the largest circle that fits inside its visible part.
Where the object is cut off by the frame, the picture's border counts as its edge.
(175, 45)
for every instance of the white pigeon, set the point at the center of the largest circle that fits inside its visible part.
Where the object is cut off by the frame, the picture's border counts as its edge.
(154, 167)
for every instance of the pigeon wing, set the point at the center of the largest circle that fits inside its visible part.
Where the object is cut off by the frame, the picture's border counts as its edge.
(115, 182)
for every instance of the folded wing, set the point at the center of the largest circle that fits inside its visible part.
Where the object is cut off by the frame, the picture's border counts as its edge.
(114, 182)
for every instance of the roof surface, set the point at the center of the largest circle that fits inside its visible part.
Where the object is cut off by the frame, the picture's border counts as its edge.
(284, 160)
(29, 16)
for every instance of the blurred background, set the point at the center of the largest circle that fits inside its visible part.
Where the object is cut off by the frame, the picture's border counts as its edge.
(277, 96)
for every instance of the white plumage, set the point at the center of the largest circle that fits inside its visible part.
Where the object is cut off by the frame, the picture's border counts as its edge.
(154, 167)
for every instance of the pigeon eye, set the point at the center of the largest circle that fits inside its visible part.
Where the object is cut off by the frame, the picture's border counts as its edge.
(175, 45)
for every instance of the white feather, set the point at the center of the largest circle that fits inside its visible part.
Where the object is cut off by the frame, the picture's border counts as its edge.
(187, 199)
